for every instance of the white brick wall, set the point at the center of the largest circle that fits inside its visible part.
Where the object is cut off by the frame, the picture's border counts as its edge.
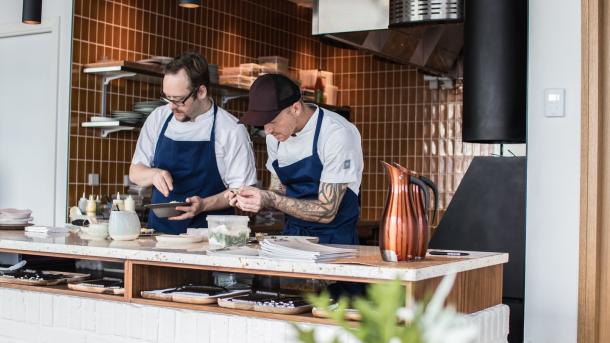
(32, 317)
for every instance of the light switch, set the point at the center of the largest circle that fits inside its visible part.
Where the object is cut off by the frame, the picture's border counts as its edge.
(94, 180)
(554, 102)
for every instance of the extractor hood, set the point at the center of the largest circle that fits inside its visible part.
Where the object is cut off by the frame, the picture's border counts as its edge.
(428, 43)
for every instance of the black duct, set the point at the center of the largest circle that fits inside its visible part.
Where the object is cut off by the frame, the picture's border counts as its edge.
(495, 71)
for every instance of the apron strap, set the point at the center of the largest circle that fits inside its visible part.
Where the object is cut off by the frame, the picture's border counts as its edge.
(171, 115)
(213, 133)
(317, 134)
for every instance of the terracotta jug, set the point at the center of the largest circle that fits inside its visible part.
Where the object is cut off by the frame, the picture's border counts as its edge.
(405, 233)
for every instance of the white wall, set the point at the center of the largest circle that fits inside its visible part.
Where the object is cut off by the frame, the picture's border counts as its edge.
(553, 171)
(58, 15)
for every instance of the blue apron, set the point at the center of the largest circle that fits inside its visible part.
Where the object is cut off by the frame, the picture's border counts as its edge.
(302, 181)
(194, 171)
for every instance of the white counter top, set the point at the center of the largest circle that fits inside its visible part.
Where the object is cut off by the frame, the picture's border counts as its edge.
(367, 265)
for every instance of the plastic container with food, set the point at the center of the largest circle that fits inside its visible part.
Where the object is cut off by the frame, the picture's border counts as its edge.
(273, 64)
(249, 69)
(226, 231)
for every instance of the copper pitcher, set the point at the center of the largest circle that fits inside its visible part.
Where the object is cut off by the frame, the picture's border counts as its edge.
(405, 233)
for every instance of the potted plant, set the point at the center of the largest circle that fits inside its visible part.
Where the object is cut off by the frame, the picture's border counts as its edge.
(384, 319)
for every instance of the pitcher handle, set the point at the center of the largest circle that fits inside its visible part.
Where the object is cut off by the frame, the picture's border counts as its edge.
(435, 193)
(423, 187)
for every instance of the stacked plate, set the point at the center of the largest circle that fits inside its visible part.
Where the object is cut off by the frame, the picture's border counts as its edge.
(10, 217)
(159, 60)
(129, 117)
(145, 107)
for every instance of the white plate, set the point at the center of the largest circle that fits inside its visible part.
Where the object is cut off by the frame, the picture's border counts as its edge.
(101, 119)
(180, 239)
(125, 237)
(12, 221)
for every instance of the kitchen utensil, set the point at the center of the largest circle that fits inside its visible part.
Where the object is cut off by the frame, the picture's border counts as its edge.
(13, 268)
(123, 225)
(405, 233)
(165, 210)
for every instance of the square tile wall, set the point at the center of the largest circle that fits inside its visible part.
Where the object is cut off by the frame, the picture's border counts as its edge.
(398, 117)
(226, 32)
(401, 120)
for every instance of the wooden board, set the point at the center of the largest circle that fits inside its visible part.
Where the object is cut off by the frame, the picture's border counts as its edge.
(224, 302)
(184, 297)
(93, 289)
(282, 310)
(352, 315)
(70, 277)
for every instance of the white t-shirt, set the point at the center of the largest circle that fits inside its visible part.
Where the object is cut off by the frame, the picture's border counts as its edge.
(232, 145)
(339, 149)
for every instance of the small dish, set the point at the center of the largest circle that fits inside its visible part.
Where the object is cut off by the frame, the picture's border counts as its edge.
(165, 210)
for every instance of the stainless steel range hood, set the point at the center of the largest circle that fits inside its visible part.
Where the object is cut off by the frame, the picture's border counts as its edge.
(365, 24)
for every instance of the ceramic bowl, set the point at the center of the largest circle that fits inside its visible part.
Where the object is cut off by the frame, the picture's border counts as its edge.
(166, 210)
(123, 225)
(99, 230)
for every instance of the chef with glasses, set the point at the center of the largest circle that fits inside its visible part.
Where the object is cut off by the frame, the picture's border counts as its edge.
(190, 149)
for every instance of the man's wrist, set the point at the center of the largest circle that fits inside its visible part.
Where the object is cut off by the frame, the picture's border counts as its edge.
(267, 198)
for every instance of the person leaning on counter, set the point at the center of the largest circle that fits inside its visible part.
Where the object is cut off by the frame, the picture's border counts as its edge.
(315, 160)
(191, 149)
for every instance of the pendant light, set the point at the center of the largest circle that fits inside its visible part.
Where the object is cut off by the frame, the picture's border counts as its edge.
(190, 3)
(32, 11)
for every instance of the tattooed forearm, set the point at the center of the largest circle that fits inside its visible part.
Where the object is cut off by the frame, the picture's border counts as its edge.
(322, 210)
(276, 185)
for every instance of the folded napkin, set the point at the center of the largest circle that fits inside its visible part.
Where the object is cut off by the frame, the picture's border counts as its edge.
(46, 229)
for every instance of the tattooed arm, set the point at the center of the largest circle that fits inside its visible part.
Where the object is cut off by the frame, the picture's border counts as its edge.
(322, 210)
(276, 185)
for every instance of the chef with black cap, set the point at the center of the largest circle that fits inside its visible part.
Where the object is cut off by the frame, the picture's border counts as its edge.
(315, 160)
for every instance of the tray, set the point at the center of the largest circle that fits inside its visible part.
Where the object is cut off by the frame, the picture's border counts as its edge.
(256, 299)
(191, 294)
(64, 278)
(350, 314)
(100, 286)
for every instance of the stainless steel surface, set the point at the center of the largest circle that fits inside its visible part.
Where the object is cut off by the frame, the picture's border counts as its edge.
(429, 45)
(415, 11)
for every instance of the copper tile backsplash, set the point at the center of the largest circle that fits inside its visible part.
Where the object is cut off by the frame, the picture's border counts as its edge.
(399, 118)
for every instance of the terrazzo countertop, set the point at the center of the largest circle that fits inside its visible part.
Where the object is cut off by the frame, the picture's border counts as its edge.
(367, 265)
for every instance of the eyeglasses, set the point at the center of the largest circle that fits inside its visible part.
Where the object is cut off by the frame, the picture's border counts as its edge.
(178, 102)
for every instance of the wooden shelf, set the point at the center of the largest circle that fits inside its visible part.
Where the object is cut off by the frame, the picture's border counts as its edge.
(304, 317)
(64, 290)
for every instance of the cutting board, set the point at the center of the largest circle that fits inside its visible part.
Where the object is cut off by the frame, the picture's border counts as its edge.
(90, 287)
(188, 297)
(69, 277)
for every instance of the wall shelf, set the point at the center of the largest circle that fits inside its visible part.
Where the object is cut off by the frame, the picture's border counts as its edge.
(113, 70)
(108, 127)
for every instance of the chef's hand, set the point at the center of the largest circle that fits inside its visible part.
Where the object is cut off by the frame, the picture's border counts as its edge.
(231, 195)
(196, 207)
(163, 181)
(250, 199)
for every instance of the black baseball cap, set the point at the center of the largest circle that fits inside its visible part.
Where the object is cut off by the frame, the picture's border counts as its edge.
(269, 95)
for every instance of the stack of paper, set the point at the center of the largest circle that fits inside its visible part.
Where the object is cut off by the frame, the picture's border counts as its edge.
(296, 248)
